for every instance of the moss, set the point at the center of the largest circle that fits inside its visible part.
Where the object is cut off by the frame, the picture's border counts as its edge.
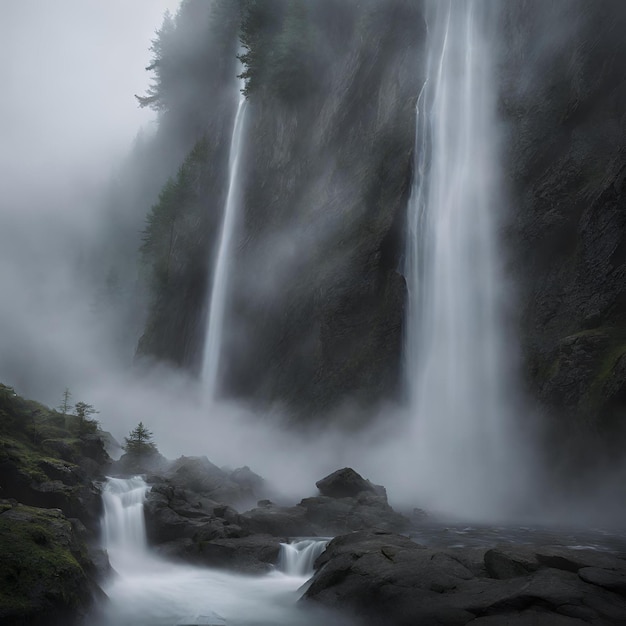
(37, 567)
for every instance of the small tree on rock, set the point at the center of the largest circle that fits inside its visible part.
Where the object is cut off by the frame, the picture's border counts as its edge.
(65, 405)
(139, 442)
(86, 424)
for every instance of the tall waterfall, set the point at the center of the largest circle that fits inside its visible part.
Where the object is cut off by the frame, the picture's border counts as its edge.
(223, 262)
(455, 346)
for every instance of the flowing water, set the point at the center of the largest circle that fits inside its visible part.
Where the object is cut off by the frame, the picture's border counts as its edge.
(297, 558)
(223, 261)
(456, 363)
(148, 591)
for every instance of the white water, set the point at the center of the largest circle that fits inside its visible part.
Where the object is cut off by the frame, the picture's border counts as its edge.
(298, 558)
(456, 349)
(148, 591)
(223, 262)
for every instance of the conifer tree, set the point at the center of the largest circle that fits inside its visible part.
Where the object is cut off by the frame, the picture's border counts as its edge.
(139, 442)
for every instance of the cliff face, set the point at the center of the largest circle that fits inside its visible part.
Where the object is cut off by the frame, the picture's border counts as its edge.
(564, 97)
(317, 299)
(316, 305)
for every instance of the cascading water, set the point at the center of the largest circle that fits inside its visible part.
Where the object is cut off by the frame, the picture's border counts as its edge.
(123, 525)
(298, 558)
(219, 290)
(149, 591)
(455, 344)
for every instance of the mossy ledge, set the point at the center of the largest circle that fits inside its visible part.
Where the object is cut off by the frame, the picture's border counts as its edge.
(50, 507)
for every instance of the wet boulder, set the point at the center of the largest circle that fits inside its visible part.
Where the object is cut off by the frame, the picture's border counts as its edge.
(199, 475)
(257, 554)
(47, 577)
(279, 521)
(346, 483)
(385, 578)
(333, 516)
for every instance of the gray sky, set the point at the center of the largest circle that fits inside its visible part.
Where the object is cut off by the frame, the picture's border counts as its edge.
(69, 73)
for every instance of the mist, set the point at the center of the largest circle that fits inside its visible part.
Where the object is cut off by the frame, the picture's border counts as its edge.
(68, 121)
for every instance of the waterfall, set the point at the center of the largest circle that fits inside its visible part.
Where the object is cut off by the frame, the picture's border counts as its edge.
(298, 558)
(222, 266)
(455, 356)
(123, 524)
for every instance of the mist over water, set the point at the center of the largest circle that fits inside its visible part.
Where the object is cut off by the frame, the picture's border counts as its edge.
(457, 366)
(460, 454)
(146, 590)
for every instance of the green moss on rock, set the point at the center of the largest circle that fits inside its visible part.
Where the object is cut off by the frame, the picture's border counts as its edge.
(41, 578)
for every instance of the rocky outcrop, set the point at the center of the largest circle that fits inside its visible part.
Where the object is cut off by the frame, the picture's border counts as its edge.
(46, 577)
(563, 98)
(388, 579)
(346, 483)
(187, 524)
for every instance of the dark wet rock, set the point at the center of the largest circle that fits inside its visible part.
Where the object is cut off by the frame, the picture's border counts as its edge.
(47, 577)
(198, 474)
(279, 521)
(389, 579)
(153, 462)
(174, 513)
(568, 179)
(346, 483)
(333, 516)
(248, 480)
(503, 564)
(609, 579)
(76, 495)
(255, 555)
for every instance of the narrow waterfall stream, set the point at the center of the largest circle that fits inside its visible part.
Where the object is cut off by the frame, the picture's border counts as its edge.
(223, 261)
(456, 350)
(149, 591)
(298, 558)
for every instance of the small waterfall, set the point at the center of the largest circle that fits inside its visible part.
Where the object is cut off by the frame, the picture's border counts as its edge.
(219, 290)
(456, 351)
(298, 558)
(123, 524)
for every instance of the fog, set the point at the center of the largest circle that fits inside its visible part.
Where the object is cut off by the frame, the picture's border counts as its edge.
(68, 117)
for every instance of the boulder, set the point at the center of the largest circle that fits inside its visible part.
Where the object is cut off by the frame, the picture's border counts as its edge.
(198, 474)
(248, 480)
(346, 483)
(333, 516)
(252, 555)
(385, 578)
(47, 579)
(174, 513)
(279, 521)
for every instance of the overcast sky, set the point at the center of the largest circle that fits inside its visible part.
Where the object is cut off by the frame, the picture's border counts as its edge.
(67, 82)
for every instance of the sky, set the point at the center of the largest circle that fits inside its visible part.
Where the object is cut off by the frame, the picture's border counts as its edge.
(68, 78)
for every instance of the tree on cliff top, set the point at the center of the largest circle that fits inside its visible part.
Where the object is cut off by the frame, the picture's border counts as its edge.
(139, 442)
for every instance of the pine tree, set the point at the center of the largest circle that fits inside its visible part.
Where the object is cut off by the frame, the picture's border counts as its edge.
(139, 442)
(86, 424)
(64, 407)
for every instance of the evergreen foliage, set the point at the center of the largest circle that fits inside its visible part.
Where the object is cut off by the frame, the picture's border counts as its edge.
(279, 41)
(85, 423)
(139, 442)
(164, 237)
(65, 405)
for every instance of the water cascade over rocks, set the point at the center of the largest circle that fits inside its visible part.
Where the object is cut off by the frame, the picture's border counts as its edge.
(124, 525)
(298, 558)
(222, 264)
(455, 362)
(149, 591)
